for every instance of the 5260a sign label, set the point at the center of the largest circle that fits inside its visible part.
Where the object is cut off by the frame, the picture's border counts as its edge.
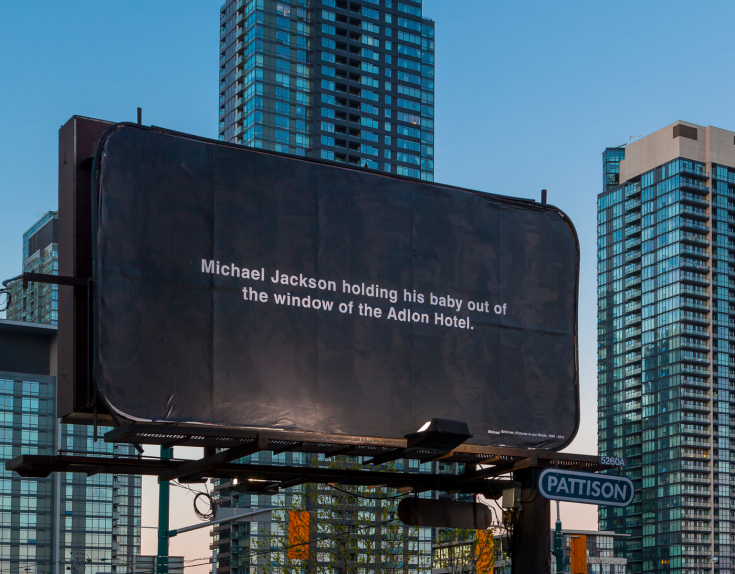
(612, 461)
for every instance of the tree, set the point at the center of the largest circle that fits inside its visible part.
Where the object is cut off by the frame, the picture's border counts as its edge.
(351, 530)
(461, 551)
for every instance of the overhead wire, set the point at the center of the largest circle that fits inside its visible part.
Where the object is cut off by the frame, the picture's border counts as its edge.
(368, 497)
(6, 291)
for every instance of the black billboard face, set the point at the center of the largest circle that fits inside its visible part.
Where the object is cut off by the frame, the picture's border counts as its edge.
(241, 288)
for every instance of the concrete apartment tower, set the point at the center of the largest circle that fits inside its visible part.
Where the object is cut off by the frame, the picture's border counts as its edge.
(344, 81)
(666, 344)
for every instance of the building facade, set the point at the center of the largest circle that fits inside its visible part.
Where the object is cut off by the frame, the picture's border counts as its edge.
(599, 556)
(666, 314)
(44, 520)
(342, 538)
(344, 81)
(39, 303)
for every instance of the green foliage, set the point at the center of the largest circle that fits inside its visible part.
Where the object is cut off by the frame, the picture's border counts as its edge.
(353, 530)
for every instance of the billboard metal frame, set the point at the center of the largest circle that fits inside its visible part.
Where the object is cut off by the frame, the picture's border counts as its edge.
(480, 477)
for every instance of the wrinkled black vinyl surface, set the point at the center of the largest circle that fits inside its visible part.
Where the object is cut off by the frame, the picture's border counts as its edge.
(173, 343)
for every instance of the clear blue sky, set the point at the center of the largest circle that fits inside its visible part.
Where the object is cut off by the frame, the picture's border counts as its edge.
(528, 94)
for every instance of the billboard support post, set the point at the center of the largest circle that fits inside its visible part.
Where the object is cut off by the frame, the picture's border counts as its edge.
(163, 515)
(532, 551)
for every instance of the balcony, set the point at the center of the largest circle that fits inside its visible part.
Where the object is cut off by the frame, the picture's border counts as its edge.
(693, 251)
(697, 358)
(695, 264)
(694, 430)
(632, 256)
(632, 294)
(696, 344)
(693, 171)
(632, 230)
(694, 278)
(695, 330)
(694, 526)
(693, 198)
(632, 306)
(633, 332)
(689, 237)
(694, 318)
(632, 382)
(695, 418)
(696, 514)
(694, 212)
(694, 382)
(694, 406)
(701, 443)
(632, 189)
(688, 502)
(693, 225)
(695, 490)
(632, 268)
(698, 465)
(631, 217)
(632, 204)
(634, 280)
(630, 319)
(694, 370)
(635, 242)
(685, 183)
(694, 304)
(633, 358)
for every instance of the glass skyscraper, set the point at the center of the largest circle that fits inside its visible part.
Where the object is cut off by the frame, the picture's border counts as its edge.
(350, 82)
(666, 357)
(44, 520)
(40, 302)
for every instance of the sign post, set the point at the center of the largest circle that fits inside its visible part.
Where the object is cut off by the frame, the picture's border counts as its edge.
(532, 544)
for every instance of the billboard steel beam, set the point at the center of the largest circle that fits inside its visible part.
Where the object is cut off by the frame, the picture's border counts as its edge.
(195, 468)
(268, 477)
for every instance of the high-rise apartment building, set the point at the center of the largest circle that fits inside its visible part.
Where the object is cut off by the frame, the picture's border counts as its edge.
(39, 303)
(344, 537)
(44, 520)
(666, 345)
(95, 515)
(337, 80)
(344, 81)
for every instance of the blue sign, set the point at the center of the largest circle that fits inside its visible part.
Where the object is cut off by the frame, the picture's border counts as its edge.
(585, 487)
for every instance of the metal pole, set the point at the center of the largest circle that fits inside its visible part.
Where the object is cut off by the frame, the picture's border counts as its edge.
(140, 116)
(163, 513)
(214, 561)
(57, 492)
(558, 537)
(234, 518)
(532, 552)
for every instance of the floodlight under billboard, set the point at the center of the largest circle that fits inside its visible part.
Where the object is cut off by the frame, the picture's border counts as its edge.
(243, 288)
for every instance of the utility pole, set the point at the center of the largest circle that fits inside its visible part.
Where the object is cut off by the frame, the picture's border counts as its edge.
(558, 550)
(163, 513)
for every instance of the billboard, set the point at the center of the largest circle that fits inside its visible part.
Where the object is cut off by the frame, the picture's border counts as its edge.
(243, 288)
